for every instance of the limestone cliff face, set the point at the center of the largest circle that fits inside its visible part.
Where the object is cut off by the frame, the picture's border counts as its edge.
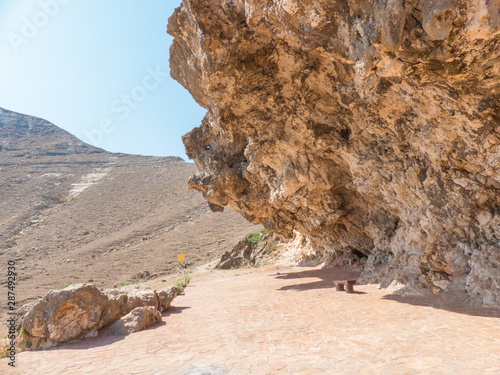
(368, 126)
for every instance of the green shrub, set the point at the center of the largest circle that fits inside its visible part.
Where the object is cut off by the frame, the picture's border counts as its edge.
(183, 284)
(24, 332)
(28, 344)
(257, 237)
(125, 284)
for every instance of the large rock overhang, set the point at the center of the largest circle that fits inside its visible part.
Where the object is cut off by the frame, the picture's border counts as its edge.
(368, 126)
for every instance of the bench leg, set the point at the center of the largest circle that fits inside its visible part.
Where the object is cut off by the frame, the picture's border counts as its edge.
(339, 287)
(349, 288)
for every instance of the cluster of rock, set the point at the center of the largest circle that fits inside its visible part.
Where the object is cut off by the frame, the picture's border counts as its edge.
(270, 248)
(369, 126)
(249, 252)
(80, 311)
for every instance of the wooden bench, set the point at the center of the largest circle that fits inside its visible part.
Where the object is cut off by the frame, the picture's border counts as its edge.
(348, 284)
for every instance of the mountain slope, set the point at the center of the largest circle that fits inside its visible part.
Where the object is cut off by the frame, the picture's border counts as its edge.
(70, 212)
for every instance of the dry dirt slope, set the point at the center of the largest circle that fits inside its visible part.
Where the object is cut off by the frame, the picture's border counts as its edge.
(73, 213)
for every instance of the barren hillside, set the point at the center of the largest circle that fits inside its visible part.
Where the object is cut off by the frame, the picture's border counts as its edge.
(71, 213)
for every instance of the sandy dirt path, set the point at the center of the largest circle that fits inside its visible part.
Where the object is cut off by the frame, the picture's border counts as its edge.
(290, 321)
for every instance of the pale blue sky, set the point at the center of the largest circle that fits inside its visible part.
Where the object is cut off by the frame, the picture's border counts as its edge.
(98, 69)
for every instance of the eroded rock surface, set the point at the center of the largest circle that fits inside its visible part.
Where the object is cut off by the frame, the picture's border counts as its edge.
(138, 319)
(79, 311)
(270, 248)
(67, 314)
(371, 127)
(249, 252)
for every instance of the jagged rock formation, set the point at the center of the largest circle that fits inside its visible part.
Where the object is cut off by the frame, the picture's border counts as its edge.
(372, 127)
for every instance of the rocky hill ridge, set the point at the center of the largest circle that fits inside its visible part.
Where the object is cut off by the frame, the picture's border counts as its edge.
(34, 137)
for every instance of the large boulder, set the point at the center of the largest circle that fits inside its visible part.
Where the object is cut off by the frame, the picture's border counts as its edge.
(67, 314)
(79, 311)
(137, 320)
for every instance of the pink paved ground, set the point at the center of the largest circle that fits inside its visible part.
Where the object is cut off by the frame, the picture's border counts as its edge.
(293, 323)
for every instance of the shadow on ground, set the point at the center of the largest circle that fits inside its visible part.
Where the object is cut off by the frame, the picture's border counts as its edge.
(325, 278)
(104, 337)
(174, 310)
(446, 302)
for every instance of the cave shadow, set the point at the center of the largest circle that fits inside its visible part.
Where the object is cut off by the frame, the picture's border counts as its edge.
(326, 278)
(451, 303)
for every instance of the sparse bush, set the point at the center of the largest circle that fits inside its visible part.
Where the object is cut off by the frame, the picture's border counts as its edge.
(126, 284)
(64, 199)
(183, 284)
(257, 237)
